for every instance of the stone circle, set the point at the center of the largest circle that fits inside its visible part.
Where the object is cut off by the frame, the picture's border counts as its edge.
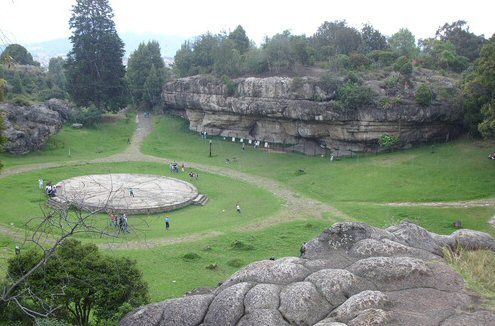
(111, 192)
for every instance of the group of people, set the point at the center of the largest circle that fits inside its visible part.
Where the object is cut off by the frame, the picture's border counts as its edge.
(50, 189)
(120, 222)
(175, 168)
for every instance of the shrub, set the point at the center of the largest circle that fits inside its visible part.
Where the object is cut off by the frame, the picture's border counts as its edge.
(353, 96)
(21, 100)
(403, 65)
(239, 245)
(393, 85)
(390, 102)
(388, 141)
(329, 83)
(191, 256)
(383, 58)
(47, 94)
(88, 116)
(235, 263)
(230, 85)
(212, 266)
(358, 60)
(424, 95)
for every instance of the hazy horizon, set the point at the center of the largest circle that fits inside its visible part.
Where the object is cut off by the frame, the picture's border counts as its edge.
(259, 18)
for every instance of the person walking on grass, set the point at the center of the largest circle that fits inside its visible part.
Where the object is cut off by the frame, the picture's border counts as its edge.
(238, 208)
(167, 223)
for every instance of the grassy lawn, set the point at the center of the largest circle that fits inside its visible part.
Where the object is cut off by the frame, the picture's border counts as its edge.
(458, 170)
(218, 215)
(170, 275)
(435, 219)
(84, 144)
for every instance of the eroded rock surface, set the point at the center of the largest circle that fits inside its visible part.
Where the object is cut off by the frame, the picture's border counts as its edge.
(28, 128)
(301, 111)
(352, 274)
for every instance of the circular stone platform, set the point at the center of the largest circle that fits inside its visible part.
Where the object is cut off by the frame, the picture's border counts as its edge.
(111, 192)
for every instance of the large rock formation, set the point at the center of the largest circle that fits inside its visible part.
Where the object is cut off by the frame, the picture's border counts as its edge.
(352, 274)
(28, 128)
(294, 111)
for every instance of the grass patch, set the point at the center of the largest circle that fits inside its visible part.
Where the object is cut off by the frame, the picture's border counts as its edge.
(477, 269)
(103, 140)
(458, 170)
(183, 275)
(191, 256)
(219, 215)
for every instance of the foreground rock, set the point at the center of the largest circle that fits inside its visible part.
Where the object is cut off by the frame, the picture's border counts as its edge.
(28, 128)
(301, 111)
(353, 274)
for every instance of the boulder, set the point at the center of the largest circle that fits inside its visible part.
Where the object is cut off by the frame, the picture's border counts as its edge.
(352, 274)
(28, 128)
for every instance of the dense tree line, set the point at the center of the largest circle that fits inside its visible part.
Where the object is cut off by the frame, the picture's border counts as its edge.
(452, 48)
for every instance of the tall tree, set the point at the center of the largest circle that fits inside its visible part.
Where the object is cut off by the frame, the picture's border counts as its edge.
(404, 43)
(479, 92)
(56, 73)
(95, 72)
(466, 43)
(16, 53)
(240, 39)
(337, 34)
(145, 74)
(372, 39)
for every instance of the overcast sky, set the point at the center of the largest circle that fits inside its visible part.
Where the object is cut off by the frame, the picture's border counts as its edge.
(30, 21)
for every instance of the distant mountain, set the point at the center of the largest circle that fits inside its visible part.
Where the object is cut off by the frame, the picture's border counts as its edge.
(43, 51)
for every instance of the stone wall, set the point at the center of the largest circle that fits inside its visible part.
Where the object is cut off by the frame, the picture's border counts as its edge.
(289, 111)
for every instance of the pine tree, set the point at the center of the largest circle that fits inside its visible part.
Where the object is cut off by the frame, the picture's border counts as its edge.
(95, 72)
(145, 74)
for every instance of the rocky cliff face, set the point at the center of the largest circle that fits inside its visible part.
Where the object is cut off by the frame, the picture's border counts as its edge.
(297, 110)
(352, 274)
(28, 128)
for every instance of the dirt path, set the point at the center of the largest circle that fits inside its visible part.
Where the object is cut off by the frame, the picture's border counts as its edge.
(295, 205)
(463, 203)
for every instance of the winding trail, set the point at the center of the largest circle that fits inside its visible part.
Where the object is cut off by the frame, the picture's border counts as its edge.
(295, 205)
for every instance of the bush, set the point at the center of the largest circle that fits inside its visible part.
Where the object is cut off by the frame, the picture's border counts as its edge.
(235, 263)
(390, 102)
(191, 256)
(21, 100)
(383, 58)
(424, 95)
(403, 65)
(231, 86)
(88, 116)
(358, 60)
(239, 245)
(329, 83)
(388, 141)
(353, 96)
(47, 94)
(212, 266)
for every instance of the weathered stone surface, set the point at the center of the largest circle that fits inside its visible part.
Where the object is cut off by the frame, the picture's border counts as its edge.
(28, 128)
(263, 317)
(270, 271)
(262, 296)
(280, 110)
(356, 304)
(352, 274)
(302, 304)
(228, 306)
(189, 310)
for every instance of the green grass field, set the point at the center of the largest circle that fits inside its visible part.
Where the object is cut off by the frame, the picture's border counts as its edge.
(218, 215)
(458, 170)
(357, 186)
(84, 144)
